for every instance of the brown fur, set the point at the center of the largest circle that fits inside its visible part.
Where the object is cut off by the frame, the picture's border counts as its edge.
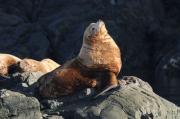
(96, 66)
(30, 65)
(7, 60)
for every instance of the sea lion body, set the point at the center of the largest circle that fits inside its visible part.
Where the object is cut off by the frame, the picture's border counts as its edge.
(7, 60)
(49, 64)
(96, 66)
(102, 55)
(65, 80)
(30, 65)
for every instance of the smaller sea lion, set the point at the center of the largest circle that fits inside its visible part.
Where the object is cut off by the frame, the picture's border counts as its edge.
(31, 65)
(49, 64)
(7, 60)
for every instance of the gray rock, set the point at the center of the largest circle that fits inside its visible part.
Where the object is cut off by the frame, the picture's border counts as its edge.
(26, 82)
(27, 77)
(134, 99)
(54, 117)
(14, 105)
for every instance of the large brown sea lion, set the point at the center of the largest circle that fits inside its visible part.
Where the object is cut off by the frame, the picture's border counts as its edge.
(96, 66)
(7, 60)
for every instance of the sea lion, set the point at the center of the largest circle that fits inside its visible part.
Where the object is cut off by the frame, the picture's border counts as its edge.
(31, 65)
(96, 66)
(7, 60)
(49, 64)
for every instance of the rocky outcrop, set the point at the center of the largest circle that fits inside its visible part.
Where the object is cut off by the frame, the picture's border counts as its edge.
(14, 105)
(134, 99)
(21, 82)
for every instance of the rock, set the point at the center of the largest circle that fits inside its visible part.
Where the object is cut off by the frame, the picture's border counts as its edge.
(53, 117)
(7, 83)
(133, 99)
(25, 82)
(21, 41)
(18, 106)
(21, 82)
(37, 51)
(7, 19)
(167, 74)
(27, 77)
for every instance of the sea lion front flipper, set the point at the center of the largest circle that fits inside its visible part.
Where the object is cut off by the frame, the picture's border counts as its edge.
(112, 82)
(106, 90)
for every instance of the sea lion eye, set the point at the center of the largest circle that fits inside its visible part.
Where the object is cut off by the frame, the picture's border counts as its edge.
(93, 29)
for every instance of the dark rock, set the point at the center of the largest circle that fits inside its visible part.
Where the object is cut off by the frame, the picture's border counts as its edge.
(21, 82)
(134, 99)
(25, 82)
(167, 74)
(59, 102)
(18, 106)
(27, 77)
(8, 20)
(52, 117)
(6, 82)
(21, 40)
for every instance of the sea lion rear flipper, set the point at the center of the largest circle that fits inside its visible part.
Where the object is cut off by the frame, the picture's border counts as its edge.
(105, 90)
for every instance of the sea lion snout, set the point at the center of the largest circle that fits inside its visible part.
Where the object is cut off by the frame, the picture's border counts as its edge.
(98, 26)
(100, 23)
(101, 27)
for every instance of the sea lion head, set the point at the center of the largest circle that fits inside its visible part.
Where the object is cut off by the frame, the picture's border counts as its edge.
(95, 32)
(99, 50)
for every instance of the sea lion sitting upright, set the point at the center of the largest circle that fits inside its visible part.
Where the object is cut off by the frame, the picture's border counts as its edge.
(96, 66)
